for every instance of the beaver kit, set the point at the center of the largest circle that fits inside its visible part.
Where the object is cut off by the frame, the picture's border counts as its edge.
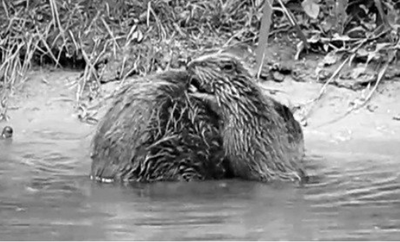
(211, 121)
(155, 131)
(261, 138)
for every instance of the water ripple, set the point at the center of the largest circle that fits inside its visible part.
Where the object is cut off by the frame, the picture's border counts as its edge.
(45, 193)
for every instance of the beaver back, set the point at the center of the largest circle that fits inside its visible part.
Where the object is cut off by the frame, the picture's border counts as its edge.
(154, 130)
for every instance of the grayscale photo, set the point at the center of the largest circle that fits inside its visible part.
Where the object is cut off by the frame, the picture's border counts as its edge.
(190, 120)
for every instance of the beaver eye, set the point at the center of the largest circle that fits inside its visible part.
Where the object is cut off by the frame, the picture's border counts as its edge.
(228, 67)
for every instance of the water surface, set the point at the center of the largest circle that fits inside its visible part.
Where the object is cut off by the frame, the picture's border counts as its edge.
(46, 194)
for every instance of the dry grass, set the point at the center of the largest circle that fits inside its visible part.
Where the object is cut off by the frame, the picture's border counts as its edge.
(78, 31)
(144, 35)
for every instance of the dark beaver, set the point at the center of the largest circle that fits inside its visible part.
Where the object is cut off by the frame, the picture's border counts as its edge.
(155, 131)
(7, 132)
(261, 138)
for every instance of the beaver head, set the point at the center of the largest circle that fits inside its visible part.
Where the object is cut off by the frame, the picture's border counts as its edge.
(220, 73)
(255, 134)
(226, 81)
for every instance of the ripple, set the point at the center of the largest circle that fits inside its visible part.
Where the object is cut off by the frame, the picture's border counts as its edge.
(44, 187)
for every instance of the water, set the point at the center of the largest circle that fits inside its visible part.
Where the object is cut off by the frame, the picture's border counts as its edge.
(46, 194)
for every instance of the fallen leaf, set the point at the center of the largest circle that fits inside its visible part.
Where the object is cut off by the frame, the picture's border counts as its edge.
(138, 36)
(311, 8)
(330, 59)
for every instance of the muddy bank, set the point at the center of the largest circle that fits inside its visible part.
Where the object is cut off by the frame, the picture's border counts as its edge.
(48, 99)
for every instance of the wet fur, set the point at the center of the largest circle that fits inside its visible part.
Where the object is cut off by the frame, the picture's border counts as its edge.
(155, 131)
(261, 138)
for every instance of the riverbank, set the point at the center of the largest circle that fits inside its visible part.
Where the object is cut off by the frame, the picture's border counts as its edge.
(48, 98)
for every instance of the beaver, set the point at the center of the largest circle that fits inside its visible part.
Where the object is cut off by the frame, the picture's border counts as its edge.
(7, 133)
(261, 138)
(155, 131)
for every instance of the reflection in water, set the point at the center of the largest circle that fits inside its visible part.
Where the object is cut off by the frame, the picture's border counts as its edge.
(45, 194)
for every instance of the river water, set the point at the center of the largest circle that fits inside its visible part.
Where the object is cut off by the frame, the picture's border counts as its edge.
(46, 194)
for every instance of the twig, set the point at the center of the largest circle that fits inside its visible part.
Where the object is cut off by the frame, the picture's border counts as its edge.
(263, 37)
(381, 74)
(323, 89)
(292, 21)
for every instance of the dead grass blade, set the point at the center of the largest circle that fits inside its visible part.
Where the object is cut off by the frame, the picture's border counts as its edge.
(263, 37)
(43, 40)
(382, 14)
(56, 16)
(113, 38)
(293, 22)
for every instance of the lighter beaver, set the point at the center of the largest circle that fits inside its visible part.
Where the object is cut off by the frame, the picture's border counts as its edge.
(261, 138)
(155, 131)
